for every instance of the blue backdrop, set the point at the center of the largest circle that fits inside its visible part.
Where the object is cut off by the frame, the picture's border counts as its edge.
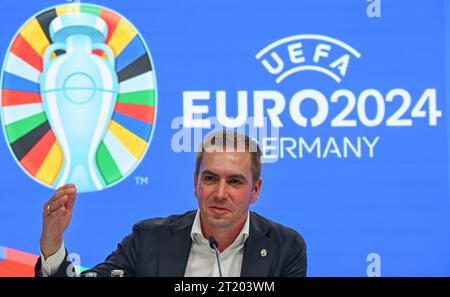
(382, 211)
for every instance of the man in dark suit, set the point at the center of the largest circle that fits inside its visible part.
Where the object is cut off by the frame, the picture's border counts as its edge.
(226, 181)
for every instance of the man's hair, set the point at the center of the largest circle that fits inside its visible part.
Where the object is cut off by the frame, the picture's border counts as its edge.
(231, 141)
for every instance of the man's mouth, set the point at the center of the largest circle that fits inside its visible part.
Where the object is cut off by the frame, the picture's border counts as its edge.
(219, 210)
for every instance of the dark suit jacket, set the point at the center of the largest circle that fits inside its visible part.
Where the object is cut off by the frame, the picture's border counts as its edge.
(161, 247)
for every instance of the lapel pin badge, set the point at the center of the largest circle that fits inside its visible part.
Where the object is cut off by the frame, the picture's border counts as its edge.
(263, 253)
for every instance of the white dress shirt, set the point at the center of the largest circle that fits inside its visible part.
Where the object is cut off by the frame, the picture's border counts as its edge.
(202, 259)
(51, 265)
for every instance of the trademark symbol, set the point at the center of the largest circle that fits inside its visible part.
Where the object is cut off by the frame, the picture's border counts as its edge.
(141, 181)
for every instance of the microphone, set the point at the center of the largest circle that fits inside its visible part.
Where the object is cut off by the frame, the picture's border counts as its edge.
(215, 246)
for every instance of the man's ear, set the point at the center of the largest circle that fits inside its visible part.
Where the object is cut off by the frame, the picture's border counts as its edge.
(195, 184)
(256, 191)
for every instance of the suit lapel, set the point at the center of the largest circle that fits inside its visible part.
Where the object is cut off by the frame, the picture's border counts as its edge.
(259, 250)
(175, 246)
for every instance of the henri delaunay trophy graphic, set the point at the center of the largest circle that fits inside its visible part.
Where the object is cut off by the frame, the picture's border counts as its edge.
(78, 97)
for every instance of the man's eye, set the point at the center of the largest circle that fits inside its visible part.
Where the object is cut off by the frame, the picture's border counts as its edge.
(208, 178)
(235, 181)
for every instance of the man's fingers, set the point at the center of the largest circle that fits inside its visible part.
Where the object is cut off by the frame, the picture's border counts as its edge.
(71, 201)
(57, 194)
(71, 194)
(66, 186)
(58, 203)
(64, 196)
(58, 212)
(53, 205)
(70, 191)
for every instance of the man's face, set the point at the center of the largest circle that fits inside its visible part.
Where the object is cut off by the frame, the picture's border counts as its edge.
(224, 188)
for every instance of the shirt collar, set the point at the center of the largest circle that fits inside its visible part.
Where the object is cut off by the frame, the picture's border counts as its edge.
(196, 231)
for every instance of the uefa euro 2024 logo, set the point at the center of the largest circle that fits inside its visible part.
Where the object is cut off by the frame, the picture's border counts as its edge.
(78, 100)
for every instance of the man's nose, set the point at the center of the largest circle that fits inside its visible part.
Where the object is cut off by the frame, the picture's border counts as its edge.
(222, 190)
